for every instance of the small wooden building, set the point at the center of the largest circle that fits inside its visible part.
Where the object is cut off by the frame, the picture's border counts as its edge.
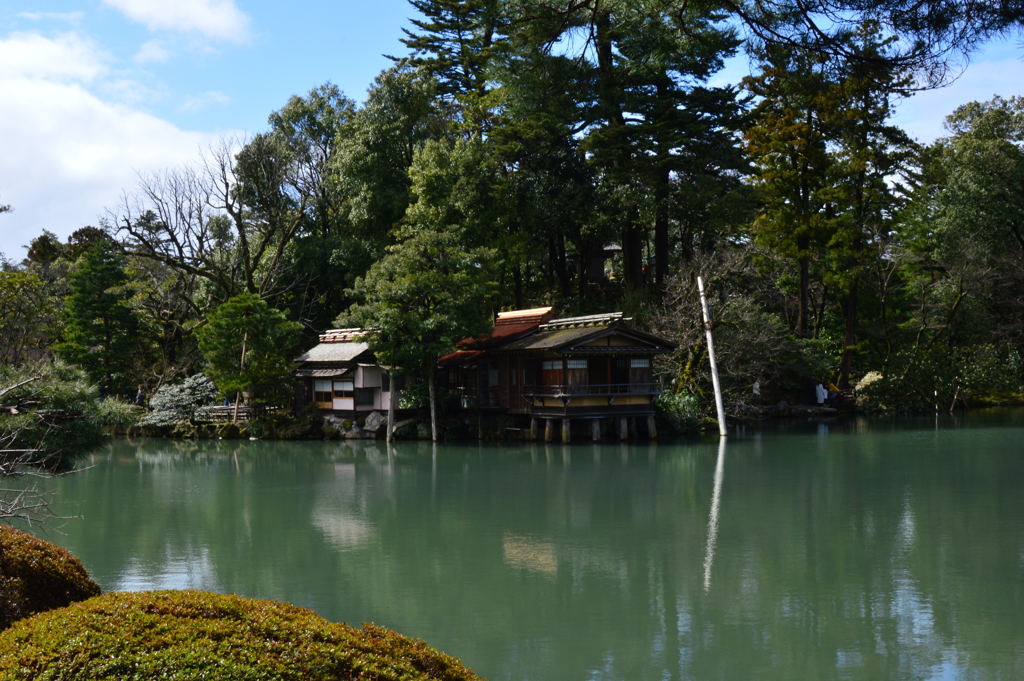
(342, 376)
(593, 371)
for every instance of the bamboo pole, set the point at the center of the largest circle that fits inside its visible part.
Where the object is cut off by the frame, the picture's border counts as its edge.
(711, 356)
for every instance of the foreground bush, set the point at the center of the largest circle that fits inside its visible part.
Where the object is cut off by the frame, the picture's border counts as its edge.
(177, 635)
(36, 576)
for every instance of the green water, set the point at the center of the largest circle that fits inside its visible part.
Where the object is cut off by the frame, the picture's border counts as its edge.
(857, 550)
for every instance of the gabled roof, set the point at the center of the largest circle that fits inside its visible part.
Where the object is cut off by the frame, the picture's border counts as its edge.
(567, 335)
(561, 336)
(341, 335)
(334, 352)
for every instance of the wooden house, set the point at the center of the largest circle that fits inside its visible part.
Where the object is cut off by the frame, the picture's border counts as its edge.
(342, 376)
(595, 372)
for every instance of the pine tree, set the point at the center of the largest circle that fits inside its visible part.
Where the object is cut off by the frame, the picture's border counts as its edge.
(102, 331)
(455, 42)
(247, 346)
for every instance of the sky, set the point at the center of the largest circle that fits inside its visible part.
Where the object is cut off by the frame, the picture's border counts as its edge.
(95, 93)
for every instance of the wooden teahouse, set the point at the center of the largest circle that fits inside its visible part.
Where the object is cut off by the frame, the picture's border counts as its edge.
(592, 371)
(342, 376)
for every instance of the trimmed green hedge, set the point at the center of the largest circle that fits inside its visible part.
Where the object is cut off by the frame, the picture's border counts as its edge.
(179, 635)
(36, 576)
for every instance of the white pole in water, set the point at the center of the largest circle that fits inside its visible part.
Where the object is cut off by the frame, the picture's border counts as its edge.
(711, 356)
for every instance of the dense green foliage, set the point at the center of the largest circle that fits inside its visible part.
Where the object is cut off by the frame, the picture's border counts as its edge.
(101, 329)
(51, 410)
(36, 576)
(247, 346)
(579, 155)
(178, 635)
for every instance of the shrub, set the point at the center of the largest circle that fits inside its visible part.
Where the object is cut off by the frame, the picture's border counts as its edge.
(177, 635)
(180, 402)
(682, 410)
(36, 576)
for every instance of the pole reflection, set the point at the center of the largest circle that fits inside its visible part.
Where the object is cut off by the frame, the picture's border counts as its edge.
(716, 498)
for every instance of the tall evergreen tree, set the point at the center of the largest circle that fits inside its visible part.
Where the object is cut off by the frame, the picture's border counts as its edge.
(102, 332)
(788, 141)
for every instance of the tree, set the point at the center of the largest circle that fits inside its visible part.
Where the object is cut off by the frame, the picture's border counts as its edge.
(101, 330)
(246, 344)
(227, 220)
(935, 36)
(28, 317)
(788, 142)
(429, 292)
(873, 160)
(647, 120)
(455, 43)
(375, 153)
(965, 242)
(49, 417)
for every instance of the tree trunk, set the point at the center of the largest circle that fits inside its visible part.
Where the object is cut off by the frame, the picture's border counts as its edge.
(661, 192)
(392, 393)
(633, 257)
(802, 244)
(560, 265)
(849, 336)
(241, 368)
(433, 404)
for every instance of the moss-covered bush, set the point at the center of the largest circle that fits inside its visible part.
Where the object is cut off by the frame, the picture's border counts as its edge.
(36, 576)
(177, 635)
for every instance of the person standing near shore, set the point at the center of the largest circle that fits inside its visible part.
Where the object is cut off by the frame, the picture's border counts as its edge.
(820, 393)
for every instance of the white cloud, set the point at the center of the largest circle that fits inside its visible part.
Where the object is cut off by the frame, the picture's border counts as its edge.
(219, 19)
(72, 154)
(152, 52)
(200, 102)
(69, 56)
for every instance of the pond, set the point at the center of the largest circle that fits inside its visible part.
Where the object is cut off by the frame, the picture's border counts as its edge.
(849, 550)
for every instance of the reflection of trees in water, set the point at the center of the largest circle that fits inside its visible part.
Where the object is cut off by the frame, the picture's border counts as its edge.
(836, 557)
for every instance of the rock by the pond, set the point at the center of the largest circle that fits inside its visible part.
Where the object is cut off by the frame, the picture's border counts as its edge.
(406, 430)
(423, 431)
(374, 421)
(357, 433)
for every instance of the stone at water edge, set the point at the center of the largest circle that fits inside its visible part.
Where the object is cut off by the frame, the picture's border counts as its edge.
(374, 421)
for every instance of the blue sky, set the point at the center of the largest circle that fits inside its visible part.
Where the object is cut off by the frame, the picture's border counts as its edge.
(94, 92)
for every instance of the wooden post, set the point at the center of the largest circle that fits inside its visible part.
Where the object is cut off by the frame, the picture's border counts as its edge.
(652, 429)
(241, 368)
(566, 434)
(392, 393)
(548, 430)
(711, 357)
(533, 429)
(623, 429)
(595, 430)
(956, 396)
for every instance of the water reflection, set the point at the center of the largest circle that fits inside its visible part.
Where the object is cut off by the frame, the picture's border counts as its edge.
(716, 499)
(872, 552)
